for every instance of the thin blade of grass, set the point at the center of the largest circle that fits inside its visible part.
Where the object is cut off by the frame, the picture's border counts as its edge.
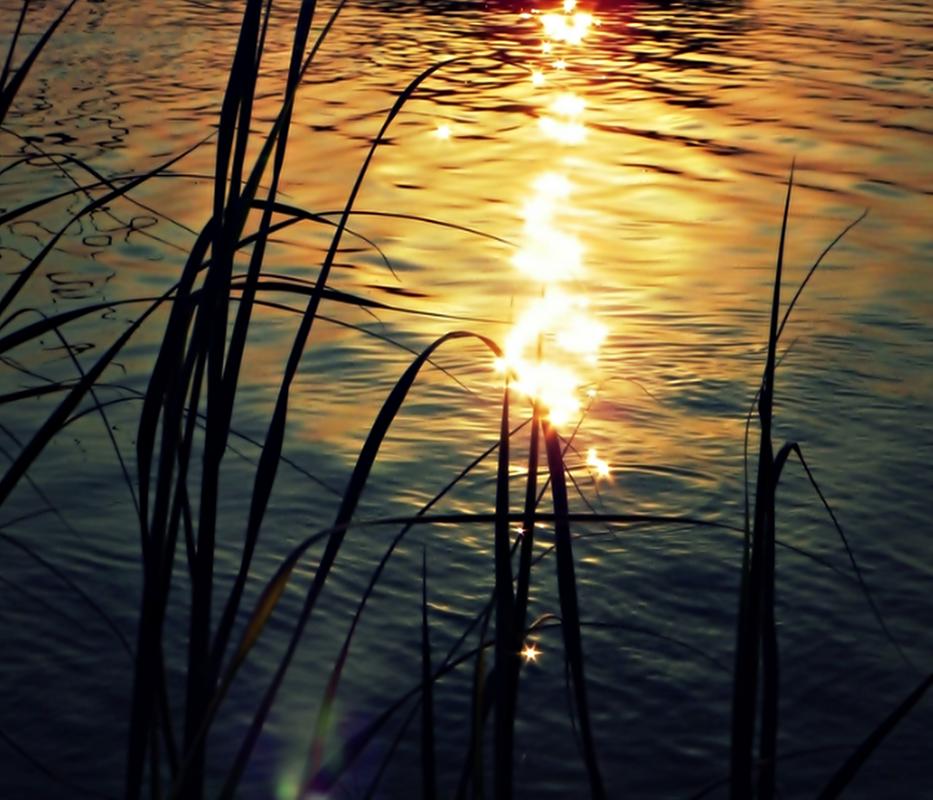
(345, 514)
(54, 422)
(83, 791)
(8, 62)
(269, 458)
(27, 272)
(528, 524)
(839, 237)
(428, 765)
(567, 589)
(755, 628)
(506, 653)
(10, 88)
(856, 761)
(330, 693)
(780, 460)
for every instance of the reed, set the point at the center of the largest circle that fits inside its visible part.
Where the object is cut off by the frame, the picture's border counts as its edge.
(185, 429)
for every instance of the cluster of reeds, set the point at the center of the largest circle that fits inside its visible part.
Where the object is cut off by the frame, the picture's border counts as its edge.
(183, 434)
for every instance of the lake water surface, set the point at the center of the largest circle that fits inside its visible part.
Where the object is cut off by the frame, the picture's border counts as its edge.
(651, 159)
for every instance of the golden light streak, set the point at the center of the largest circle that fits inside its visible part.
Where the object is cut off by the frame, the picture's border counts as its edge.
(558, 324)
(555, 335)
(549, 254)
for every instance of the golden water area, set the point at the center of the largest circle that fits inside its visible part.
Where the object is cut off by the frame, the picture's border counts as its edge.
(598, 187)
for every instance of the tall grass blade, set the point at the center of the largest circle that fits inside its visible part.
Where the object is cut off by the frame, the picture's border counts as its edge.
(8, 62)
(330, 693)
(756, 634)
(506, 654)
(523, 583)
(209, 337)
(567, 589)
(428, 766)
(269, 458)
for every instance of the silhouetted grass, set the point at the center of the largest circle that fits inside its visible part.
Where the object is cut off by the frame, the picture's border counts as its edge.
(185, 430)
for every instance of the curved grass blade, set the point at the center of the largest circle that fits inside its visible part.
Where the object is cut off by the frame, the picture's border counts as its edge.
(344, 515)
(269, 458)
(779, 462)
(816, 264)
(427, 221)
(8, 62)
(58, 417)
(297, 287)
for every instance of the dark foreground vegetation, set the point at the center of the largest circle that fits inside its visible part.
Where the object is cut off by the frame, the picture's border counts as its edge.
(184, 429)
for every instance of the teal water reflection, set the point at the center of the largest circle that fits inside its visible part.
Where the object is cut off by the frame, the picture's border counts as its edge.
(675, 125)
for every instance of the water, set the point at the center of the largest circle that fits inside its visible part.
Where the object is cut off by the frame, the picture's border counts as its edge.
(692, 115)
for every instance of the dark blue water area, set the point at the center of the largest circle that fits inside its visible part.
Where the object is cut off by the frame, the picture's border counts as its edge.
(693, 114)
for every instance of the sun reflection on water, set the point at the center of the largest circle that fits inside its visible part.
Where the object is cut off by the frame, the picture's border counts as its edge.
(555, 334)
(553, 346)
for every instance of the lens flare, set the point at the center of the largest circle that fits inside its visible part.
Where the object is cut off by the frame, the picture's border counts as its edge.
(530, 653)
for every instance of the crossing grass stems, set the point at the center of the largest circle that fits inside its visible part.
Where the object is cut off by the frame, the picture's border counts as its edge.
(185, 429)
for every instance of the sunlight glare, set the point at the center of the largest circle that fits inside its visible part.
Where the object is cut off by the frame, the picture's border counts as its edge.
(568, 28)
(566, 132)
(600, 465)
(568, 104)
(551, 255)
